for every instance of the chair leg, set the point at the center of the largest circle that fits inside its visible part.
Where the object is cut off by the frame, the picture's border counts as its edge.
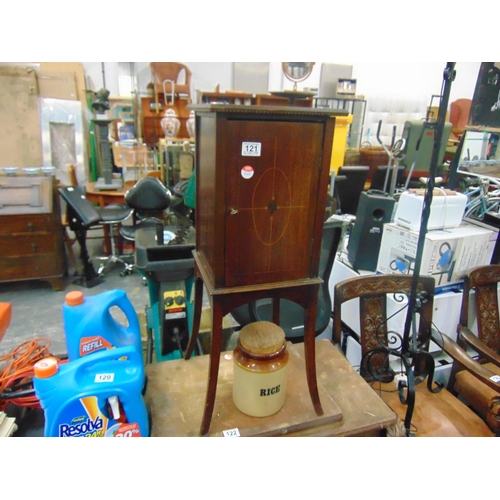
(90, 277)
(114, 257)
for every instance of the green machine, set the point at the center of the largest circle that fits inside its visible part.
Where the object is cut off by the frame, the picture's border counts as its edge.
(164, 256)
(169, 270)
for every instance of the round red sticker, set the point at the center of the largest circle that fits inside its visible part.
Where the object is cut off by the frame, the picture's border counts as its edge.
(247, 172)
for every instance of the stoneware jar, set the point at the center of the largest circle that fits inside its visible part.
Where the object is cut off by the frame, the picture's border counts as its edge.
(260, 362)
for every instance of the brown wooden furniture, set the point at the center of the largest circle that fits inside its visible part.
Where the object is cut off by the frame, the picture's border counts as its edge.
(103, 197)
(228, 97)
(31, 233)
(176, 394)
(471, 379)
(261, 185)
(153, 109)
(435, 414)
(234, 97)
(272, 100)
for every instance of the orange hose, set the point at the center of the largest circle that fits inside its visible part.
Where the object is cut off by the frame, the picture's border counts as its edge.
(17, 367)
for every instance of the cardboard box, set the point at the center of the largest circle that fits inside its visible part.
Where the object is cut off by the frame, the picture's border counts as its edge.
(54, 85)
(447, 253)
(75, 68)
(494, 246)
(20, 128)
(447, 209)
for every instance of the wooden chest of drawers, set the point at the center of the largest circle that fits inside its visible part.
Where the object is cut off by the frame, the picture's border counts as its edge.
(32, 245)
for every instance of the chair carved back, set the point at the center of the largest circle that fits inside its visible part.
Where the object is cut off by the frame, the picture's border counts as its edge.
(484, 282)
(372, 292)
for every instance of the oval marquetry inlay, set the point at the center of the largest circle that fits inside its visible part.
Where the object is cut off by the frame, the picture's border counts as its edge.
(271, 212)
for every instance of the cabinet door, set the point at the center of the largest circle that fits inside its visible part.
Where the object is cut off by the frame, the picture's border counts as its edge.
(272, 177)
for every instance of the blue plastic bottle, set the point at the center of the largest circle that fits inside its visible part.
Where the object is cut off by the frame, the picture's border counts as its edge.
(94, 396)
(89, 326)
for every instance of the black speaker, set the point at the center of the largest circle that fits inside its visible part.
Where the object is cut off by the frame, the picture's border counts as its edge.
(374, 210)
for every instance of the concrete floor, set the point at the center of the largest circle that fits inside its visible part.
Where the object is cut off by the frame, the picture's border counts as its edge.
(37, 308)
(37, 314)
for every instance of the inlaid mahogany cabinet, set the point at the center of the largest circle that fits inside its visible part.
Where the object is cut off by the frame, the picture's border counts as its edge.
(261, 183)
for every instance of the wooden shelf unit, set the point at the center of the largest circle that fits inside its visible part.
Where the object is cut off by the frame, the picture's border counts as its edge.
(272, 100)
(227, 98)
(151, 119)
(251, 99)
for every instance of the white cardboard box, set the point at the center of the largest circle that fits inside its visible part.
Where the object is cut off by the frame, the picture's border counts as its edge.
(447, 210)
(447, 253)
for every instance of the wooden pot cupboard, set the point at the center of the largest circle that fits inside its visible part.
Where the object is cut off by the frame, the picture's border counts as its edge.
(262, 178)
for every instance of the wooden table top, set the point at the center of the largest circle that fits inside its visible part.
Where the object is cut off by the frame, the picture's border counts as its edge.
(176, 394)
(105, 197)
(90, 189)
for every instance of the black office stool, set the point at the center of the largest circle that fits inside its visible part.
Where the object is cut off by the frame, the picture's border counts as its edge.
(113, 215)
(82, 215)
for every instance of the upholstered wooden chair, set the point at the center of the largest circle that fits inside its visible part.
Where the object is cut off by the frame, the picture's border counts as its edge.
(436, 411)
(477, 381)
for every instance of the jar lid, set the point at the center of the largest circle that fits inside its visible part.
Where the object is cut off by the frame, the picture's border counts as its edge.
(262, 337)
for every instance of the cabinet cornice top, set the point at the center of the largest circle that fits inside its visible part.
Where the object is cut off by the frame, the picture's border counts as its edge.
(265, 110)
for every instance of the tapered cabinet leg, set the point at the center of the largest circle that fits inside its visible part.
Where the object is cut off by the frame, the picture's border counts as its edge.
(310, 355)
(213, 372)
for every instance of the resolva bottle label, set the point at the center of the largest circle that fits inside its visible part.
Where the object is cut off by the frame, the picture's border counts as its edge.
(92, 422)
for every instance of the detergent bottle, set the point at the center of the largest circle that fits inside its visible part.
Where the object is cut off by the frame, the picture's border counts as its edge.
(89, 326)
(94, 396)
